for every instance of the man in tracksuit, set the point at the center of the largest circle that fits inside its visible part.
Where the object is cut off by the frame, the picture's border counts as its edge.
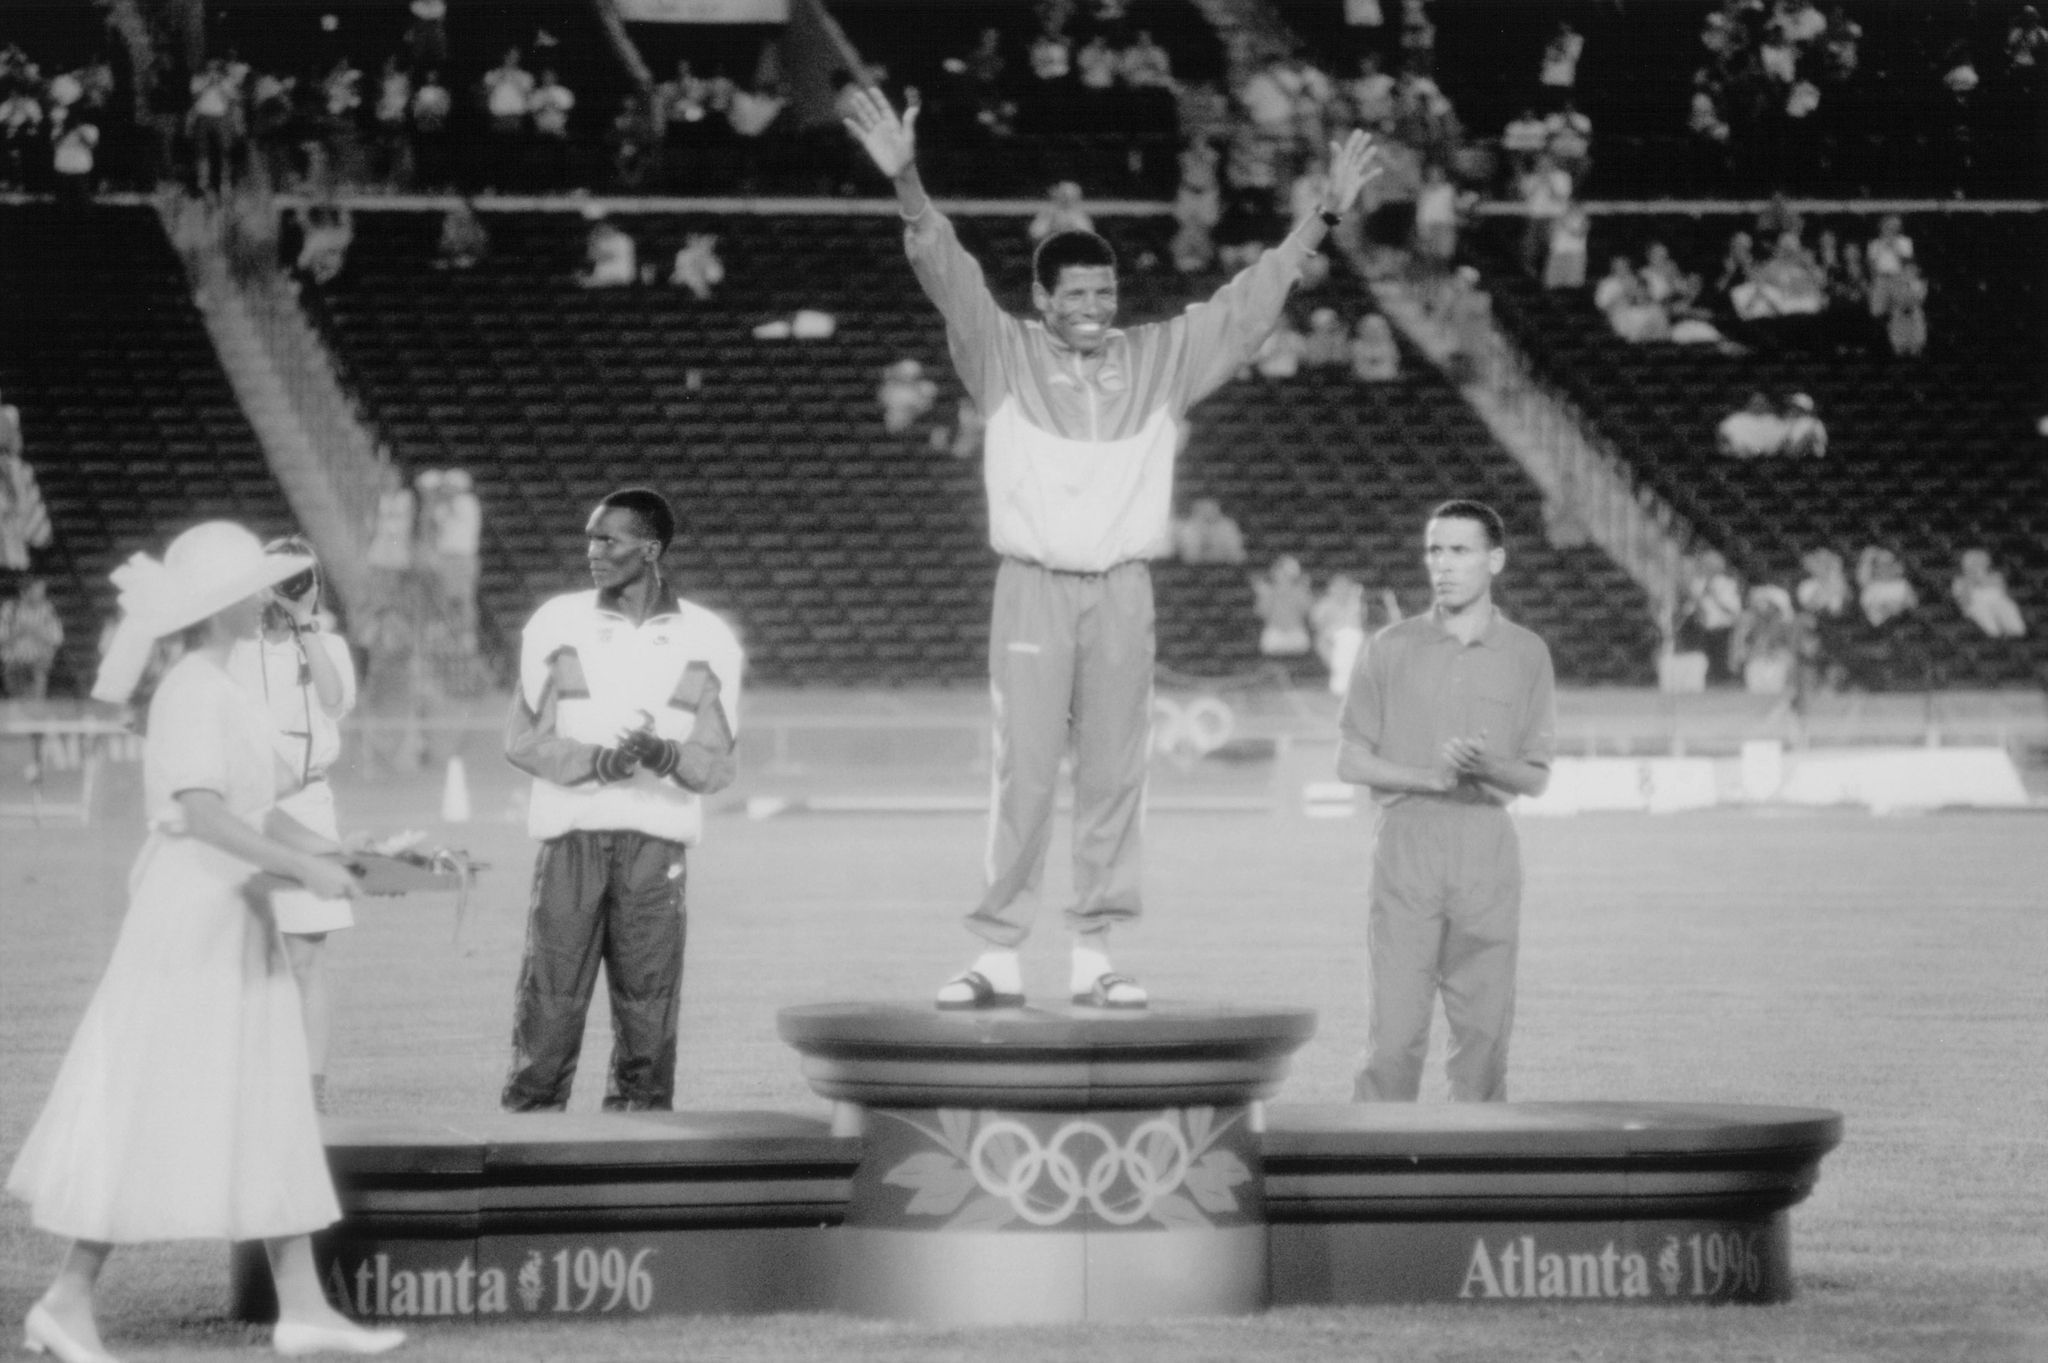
(627, 705)
(1083, 422)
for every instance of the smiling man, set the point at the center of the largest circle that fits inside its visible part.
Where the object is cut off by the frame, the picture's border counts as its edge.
(1083, 420)
(1451, 714)
(627, 705)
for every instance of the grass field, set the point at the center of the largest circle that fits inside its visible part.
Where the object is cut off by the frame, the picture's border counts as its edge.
(1889, 968)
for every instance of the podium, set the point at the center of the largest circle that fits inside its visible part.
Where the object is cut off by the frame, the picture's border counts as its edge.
(1057, 1164)
(1050, 1164)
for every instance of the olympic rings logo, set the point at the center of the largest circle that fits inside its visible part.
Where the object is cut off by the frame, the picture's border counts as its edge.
(1008, 1161)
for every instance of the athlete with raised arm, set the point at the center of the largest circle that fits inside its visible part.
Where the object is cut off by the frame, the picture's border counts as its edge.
(1083, 420)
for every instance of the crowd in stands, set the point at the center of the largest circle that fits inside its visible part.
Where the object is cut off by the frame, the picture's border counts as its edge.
(331, 124)
(1830, 293)
(1773, 639)
(30, 632)
(52, 124)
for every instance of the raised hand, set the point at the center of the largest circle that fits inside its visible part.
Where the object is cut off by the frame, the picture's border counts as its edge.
(891, 142)
(1354, 163)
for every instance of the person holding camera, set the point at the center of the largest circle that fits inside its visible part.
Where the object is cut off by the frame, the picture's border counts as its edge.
(627, 704)
(181, 1110)
(302, 672)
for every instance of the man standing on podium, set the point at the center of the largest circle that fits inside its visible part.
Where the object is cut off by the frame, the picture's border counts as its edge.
(1083, 422)
(1451, 714)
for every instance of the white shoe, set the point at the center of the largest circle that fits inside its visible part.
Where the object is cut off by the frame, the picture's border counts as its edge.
(291, 1338)
(41, 1333)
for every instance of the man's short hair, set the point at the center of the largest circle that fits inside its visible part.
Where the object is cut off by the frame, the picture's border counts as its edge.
(1062, 249)
(657, 518)
(1464, 509)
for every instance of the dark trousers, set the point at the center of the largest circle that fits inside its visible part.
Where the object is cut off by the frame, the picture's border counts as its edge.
(615, 898)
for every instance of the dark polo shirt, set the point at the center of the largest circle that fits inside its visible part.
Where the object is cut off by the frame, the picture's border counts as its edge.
(1416, 686)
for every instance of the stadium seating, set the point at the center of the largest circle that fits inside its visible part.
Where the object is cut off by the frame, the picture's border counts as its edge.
(1927, 456)
(129, 421)
(846, 554)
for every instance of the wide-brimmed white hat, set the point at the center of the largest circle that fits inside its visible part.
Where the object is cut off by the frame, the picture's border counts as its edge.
(204, 571)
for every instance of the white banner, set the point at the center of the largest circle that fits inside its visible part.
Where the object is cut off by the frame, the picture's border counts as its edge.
(704, 11)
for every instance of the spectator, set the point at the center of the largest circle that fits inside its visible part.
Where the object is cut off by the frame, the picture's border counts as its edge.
(1052, 56)
(1436, 219)
(1568, 138)
(454, 534)
(508, 87)
(1768, 642)
(1891, 250)
(681, 103)
(1754, 432)
(1709, 603)
(697, 266)
(1902, 297)
(1282, 599)
(1738, 266)
(1207, 536)
(394, 103)
(1328, 344)
(1798, 21)
(1840, 46)
(1564, 267)
(1882, 587)
(750, 112)
(1372, 95)
(1824, 591)
(1663, 281)
(1145, 64)
(1546, 194)
(464, 240)
(210, 123)
(30, 635)
(1374, 356)
(1197, 207)
(1631, 312)
(1789, 284)
(905, 395)
(549, 106)
(389, 554)
(613, 258)
(1524, 139)
(1561, 60)
(1418, 38)
(2026, 45)
(1338, 618)
(1979, 592)
(273, 110)
(1097, 63)
(326, 233)
(24, 519)
(72, 161)
(1062, 212)
(1806, 436)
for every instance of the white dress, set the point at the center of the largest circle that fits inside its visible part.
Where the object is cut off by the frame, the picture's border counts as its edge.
(184, 1108)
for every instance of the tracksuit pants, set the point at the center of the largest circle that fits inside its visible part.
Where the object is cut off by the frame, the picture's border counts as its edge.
(1445, 915)
(615, 897)
(1070, 667)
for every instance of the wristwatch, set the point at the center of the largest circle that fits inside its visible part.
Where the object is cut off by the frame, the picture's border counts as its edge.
(1330, 219)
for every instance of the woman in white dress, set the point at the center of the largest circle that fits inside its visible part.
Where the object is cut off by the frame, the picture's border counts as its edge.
(183, 1109)
(302, 672)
